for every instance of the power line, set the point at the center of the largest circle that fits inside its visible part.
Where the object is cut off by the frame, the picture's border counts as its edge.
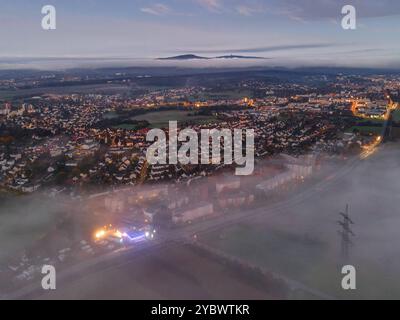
(346, 232)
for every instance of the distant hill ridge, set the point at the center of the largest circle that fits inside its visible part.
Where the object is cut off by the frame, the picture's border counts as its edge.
(196, 57)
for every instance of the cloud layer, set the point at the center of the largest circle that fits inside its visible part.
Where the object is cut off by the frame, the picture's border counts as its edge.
(157, 9)
(303, 9)
(285, 30)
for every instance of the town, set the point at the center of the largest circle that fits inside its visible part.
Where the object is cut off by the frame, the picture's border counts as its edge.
(88, 152)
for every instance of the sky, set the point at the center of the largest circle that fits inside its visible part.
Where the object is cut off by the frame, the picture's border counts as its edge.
(288, 32)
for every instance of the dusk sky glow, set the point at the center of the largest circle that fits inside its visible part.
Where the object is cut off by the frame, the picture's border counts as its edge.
(289, 32)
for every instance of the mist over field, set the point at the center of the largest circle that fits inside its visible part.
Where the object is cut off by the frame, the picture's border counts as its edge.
(303, 243)
(270, 61)
(23, 221)
(299, 241)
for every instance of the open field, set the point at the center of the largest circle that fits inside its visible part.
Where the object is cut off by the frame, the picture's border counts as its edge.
(175, 272)
(93, 88)
(396, 115)
(302, 243)
(376, 122)
(20, 227)
(366, 129)
(126, 126)
(161, 119)
(226, 94)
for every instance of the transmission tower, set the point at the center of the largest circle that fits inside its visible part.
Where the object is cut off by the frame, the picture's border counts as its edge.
(346, 232)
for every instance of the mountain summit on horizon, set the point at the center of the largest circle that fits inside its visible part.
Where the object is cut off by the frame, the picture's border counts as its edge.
(196, 57)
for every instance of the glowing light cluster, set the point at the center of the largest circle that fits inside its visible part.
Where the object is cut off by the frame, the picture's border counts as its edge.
(109, 231)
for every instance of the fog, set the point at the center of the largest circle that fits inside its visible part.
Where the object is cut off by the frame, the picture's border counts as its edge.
(328, 59)
(299, 241)
(23, 221)
(303, 241)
